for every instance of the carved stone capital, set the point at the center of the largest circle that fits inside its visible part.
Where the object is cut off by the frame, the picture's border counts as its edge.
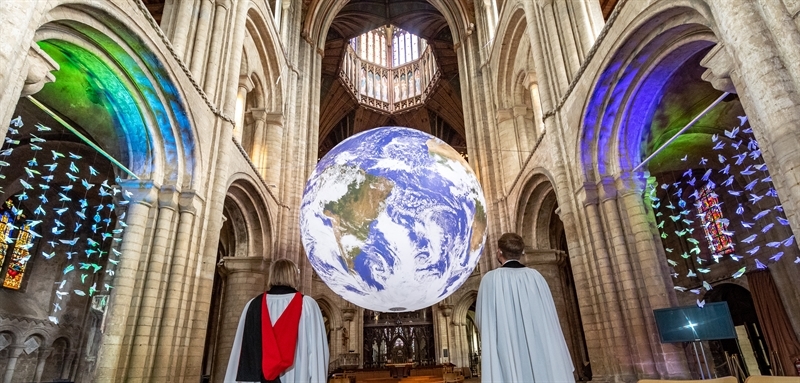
(720, 65)
(589, 192)
(189, 202)
(39, 65)
(504, 115)
(252, 265)
(168, 197)
(141, 191)
(607, 189)
(447, 310)
(348, 314)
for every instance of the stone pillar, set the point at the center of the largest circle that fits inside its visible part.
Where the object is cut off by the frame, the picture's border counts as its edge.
(13, 356)
(274, 144)
(447, 311)
(507, 134)
(536, 105)
(44, 353)
(258, 149)
(245, 278)
(284, 24)
(215, 64)
(154, 281)
(767, 79)
(67, 368)
(198, 58)
(526, 139)
(245, 86)
(625, 280)
(167, 338)
(608, 303)
(112, 354)
(654, 284)
(180, 26)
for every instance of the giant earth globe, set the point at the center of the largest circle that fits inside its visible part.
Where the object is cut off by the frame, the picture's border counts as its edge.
(393, 219)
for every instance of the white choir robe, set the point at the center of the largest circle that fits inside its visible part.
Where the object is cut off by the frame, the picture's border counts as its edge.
(521, 338)
(311, 357)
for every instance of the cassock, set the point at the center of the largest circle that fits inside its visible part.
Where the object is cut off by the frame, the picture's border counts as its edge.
(521, 338)
(311, 353)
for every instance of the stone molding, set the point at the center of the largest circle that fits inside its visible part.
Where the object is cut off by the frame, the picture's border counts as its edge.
(720, 65)
(232, 265)
(39, 66)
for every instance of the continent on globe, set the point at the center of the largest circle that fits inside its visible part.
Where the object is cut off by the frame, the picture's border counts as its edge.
(353, 213)
(439, 148)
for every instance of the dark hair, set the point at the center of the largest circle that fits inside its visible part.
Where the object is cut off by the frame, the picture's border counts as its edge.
(512, 245)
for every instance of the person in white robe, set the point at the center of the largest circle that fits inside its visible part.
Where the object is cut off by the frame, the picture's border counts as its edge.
(311, 355)
(521, 338)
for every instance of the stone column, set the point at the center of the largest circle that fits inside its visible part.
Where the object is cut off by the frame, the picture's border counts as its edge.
(180, 26)
(215, 64)
(526, 139)
(653, 283)
(245, 278)
(245, 86)
(258, 150)
(198, 58)
(13, 356)
(447, 311)
(625, 279)
(605, 288)
(112, 356)
(536, 105)
(507, 134)
(67, 367)
(767, 79)
(167, 337)
(44, 353)
(274, 144)
(154, 281)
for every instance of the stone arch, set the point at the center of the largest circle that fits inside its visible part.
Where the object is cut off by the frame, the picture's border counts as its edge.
(626, 91)
(248, 216)
(463, 304)
(269, 57)
(536, 210)
(333, 328)
(113, 74)
(57, 365)
(509, 43)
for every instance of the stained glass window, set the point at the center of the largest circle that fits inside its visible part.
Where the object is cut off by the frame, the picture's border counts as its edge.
(15, 271)
(6, 223)
(714, 224)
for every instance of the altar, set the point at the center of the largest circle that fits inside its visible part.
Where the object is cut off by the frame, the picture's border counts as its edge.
(400, 370)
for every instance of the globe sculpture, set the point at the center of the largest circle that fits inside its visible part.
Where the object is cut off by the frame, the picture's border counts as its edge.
(393, 219)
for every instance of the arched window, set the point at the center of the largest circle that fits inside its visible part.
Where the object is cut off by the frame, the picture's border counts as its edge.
(14, 267)
(714, 224)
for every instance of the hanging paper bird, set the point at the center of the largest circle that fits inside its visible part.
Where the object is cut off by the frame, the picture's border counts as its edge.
(760, 265)
(685, 158)
(735, 257)
(706, 175)
(691, 274)
(753, 251)
(747, 171)
(718, 146)
(767, 227)
(751, 185)
(92, 171)
(48, 255)
(71, 242)
(761, 214)
(777, 256)
(772, 193)
(51, 167)
(7, 152)
(714, 137)
(735, 193)
(679, 288)
(739, 273)
(782, 221)
(71, 177)
(703, 270)
(788, 241)
(74, 156)
(721, 158)
(685, 255)
(61, 211)
(750, 239)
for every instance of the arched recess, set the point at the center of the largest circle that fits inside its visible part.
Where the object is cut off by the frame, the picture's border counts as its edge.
(333, 326)
(626, 93)
(543, 232)
(261, 94)
(655, 82)
(518, 113)
(245, 243)
(113, 84)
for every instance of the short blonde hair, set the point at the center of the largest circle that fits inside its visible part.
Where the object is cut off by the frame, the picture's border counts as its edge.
(283, 272)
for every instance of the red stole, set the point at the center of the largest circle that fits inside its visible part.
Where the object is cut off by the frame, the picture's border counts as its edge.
(280, 341)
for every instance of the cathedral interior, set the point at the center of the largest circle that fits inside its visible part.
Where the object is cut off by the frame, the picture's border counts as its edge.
(155, 154)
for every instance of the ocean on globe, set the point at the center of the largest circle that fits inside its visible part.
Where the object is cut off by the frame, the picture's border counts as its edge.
(393, 219)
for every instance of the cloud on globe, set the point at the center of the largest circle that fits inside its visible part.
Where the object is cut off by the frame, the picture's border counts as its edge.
(393, 219)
